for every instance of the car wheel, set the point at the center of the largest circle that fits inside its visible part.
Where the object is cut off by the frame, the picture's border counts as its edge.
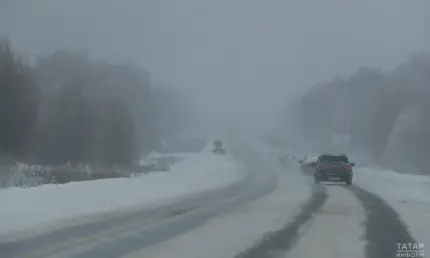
(349, 181)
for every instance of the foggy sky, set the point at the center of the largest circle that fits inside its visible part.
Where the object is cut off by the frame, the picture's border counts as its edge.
(242, 58)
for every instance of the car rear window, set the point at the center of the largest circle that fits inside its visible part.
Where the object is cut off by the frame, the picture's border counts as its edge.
(334, 159)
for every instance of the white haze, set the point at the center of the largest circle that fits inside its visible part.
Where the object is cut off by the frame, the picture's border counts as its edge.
(242, 58)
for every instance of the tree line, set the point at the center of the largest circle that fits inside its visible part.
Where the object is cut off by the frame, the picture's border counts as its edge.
(386, 114)
(70, 108)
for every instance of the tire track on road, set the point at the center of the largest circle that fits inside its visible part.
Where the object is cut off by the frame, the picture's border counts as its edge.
(276, 243)
(336, 230)
(384, 227)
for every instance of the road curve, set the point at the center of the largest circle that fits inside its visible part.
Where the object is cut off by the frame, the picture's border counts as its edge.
(120, 235)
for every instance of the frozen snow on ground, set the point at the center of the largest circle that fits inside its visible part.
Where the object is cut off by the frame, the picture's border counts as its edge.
(408, 194)
(23, 209)
(235, 231)
(155, 155)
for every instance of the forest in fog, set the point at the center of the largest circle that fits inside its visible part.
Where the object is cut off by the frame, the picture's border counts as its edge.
(386, 114)
(70, 108)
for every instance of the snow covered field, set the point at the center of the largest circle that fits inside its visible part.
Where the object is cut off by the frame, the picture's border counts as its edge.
(38, 207)
(408, 194)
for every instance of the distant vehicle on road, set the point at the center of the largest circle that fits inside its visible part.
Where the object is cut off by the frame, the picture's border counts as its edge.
(335, 168)
(308, 165)
(218, 147)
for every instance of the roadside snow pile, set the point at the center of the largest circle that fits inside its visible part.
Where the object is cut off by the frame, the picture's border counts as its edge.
(155, 162)
(408, 194)
(24, 175)
(155, 155)
(24, 208)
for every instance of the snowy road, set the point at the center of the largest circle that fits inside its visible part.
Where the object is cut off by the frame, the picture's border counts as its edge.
(273, 213)
(119, 235)
(335, 230)
(341, 221)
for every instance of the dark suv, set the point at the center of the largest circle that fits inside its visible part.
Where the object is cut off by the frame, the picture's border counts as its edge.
(335, 168)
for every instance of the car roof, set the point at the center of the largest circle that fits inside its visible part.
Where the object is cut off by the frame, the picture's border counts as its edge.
(333, 155)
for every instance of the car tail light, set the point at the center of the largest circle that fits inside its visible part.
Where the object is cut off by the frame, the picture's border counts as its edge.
(347, 167)
(321, 167)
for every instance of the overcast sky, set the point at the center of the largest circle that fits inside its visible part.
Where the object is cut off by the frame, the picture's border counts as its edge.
(251, 54)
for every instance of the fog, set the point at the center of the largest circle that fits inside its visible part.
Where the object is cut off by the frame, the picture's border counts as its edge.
(242, 58)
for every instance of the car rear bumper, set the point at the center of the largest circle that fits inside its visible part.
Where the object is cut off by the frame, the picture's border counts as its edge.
(333, 177)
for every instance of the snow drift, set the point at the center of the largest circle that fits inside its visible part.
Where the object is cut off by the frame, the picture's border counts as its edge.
(24, 208)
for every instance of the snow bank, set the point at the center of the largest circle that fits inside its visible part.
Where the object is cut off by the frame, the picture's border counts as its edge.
(408, 194)
(23, 208)
(155, 156)
(23, 175)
